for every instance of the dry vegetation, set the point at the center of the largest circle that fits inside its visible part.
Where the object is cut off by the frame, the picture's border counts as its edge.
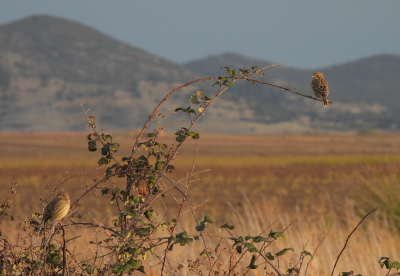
(249, 181)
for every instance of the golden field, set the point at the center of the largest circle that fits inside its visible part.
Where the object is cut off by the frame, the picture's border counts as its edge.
(246, 180)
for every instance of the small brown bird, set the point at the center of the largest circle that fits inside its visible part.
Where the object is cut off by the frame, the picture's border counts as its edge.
(320, 87)
(56, 209)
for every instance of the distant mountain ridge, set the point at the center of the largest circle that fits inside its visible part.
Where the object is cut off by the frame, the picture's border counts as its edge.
(49, 66)
(366, 92)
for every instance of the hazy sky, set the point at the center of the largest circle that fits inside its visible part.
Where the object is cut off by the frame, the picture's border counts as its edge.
(304, 34)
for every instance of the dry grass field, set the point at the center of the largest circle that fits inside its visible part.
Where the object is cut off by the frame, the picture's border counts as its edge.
(249, 181)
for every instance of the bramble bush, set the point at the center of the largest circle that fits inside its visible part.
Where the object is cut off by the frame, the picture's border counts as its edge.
(123, 246)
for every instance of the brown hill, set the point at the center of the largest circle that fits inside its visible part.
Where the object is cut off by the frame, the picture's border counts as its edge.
(49, 66)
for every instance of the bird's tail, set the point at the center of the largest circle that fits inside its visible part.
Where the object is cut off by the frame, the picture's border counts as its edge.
(326, 104)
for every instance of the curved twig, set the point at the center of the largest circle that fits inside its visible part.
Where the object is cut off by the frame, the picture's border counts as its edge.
(287, 89)
(315, 251)
(95, 225)
(345, 244)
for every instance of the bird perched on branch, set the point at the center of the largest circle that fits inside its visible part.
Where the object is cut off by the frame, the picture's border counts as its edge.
(56, 209)
(320, 87)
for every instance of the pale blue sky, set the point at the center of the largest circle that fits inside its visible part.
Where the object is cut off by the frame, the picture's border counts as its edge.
(304, 34)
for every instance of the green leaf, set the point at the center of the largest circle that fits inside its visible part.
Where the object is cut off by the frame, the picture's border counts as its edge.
(105, 137)
(170, 168)
(92, 145)
(126, 268)
(165, 224)
(200, 227)
(252, 262)
(193, 99)
(152, 178)
(205, 253)
(200, 93)
(384, 261)
(269, 256)
(253, 83)
(283, 252)
(141, 269)
(187, 109)
(238, 241)
(275, 235)
(158, 166)
(117, 268)
(229, 83)
(250, 247)
(247, 238)
(226, 225)
(108, 172)
(306, 253)
(207, 219)
(254, 67)
(258, 239)
(183, 234)
(239, 249)
(293, 269)
(395, 264)
(151, 134)
(180, 138)
(103, 161)
(350, 273)
(184, 240)
(162, 146)
(194, 134)
(244, 71)
(55, 259)
(177, 109)
(149, 213)
(192, 111)
(113, 146)
(104, 150)
(89, 137)
(231, 72)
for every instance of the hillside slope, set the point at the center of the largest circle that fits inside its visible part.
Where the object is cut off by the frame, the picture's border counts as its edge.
(49, 66)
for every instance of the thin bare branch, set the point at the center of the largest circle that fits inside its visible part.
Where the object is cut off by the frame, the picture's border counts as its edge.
(287, 89)
(315, 251)
(345, 244)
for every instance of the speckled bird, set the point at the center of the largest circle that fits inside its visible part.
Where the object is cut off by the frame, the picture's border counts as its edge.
(56, 209)
(320, 87)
